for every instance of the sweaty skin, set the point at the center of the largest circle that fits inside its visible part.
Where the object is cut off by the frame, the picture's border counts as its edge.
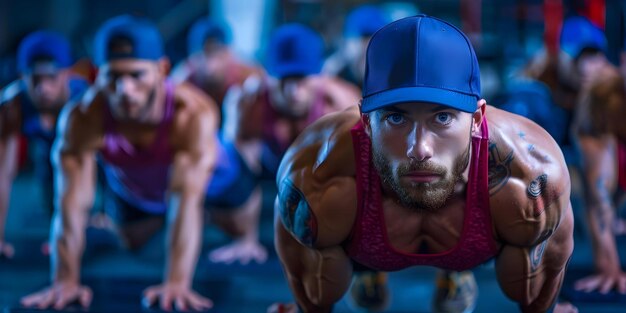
(192, 137)
(529, 202)
(598, 129)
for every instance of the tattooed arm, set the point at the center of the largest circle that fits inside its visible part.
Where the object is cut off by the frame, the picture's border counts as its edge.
(600, 183)
(531, 211)
(315, 210)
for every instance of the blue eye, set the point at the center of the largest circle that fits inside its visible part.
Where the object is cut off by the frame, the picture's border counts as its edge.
(443, 118)
(395, 118)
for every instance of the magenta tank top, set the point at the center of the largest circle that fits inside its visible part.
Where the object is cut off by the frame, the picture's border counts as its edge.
(368, 243)
(139, 176)
(271, 115)
(621, 163)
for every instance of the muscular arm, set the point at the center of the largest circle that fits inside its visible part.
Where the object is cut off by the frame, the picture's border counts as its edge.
(530, 189)
(193, 163)
(9, 140)
(600, 183)
(73, 158)
(315, 210)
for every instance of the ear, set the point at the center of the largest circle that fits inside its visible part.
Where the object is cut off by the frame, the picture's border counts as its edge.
(164, 66)
(477, 116)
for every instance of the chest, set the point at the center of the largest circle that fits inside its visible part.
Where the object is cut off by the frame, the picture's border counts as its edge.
(424, 232)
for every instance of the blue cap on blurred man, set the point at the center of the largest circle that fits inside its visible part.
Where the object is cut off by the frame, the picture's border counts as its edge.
(364, 21)
(202, 30)
(43, 51)
(295, 50)
(578, 33)
(421, 59)
(126, 36)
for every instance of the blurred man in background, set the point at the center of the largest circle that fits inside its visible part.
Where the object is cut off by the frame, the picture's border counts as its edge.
(349, 61)
(600, 134)
(30, 107)
(263, 117)
(212, 66)
(156, 142)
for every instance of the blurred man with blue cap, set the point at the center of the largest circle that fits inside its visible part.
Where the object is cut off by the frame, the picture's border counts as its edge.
(600, 136)
(212, 66)
(29, 107)
(424, 174)
(360, 24)
(264, 116)
(156, 142)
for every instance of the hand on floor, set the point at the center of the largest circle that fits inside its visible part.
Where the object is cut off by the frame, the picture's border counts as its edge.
(241, 250)
(603, 282)
(58, 296)
(565, 307)
(283, 308)
(181, 296)
(6, 250)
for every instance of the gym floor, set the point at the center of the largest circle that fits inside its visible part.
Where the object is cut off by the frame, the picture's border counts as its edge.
(118, 276)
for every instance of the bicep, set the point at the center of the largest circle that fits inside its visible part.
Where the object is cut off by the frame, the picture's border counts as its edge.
(534, 273)
(195, 154)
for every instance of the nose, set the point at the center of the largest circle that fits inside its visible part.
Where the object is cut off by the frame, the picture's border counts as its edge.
(123, 85)
(420, 146)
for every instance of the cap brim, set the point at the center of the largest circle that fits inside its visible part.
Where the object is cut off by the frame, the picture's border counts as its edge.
(293, 69)
(456, 100)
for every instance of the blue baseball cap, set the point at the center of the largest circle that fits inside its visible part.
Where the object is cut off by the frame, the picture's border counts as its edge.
(202, 30)
(142, 35)
(44, 44)
(421, 59)
(579, 33)
(364, 21)
(294, 49)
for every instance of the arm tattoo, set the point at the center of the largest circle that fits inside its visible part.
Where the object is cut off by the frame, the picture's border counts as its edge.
(499, 168)
(536, 255)
(296, 214)
(537, 186)
(535, 192)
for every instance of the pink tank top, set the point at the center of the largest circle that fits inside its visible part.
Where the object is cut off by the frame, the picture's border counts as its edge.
(621, 162)
(271, 115)
(368, 243)
(139, 176)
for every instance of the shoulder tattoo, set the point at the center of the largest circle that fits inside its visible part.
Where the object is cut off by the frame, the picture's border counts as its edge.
(535, 190)
(499, 168)
(296, 214)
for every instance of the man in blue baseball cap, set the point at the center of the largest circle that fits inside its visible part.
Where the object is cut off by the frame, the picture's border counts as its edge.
(157, 145)
(29, 107)
(425, 173)
(263, 117)
(600, 135)
(212, 66)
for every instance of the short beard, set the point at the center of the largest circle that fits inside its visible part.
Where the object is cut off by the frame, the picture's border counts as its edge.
(421, 196)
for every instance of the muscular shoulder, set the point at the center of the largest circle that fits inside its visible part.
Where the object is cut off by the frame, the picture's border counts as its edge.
(10, 111)
(195, 113)
(80, 125)
(316, 185)
(528, 179)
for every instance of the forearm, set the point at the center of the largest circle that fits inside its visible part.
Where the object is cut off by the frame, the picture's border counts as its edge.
(67, 242)
(318, 278)
(5, 192)
(184, 238)
(600, 217)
